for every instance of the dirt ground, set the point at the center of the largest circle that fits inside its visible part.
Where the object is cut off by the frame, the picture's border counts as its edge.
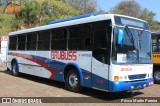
(31, 86)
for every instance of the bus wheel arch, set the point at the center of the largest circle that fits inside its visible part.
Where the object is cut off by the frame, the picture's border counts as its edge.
(73, 72)
(14, 67)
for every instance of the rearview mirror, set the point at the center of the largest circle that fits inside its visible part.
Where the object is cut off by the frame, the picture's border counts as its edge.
(120, 36)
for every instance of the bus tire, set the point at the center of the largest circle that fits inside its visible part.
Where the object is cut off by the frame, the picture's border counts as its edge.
(72, 81)
(15, 71)
(156, 76)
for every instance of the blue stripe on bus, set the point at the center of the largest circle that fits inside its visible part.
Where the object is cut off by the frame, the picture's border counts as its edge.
(87, 77)
(126, 86)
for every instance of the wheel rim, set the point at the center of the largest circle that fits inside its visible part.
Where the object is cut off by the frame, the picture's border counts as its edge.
(73, 80)
(157, 76)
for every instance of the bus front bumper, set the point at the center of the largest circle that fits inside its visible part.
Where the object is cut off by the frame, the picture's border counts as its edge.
(130, 86)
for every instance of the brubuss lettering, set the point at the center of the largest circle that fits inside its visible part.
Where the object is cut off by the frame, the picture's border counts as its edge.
(126, 69)
(64, 55)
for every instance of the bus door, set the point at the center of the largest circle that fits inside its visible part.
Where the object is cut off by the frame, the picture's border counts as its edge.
(100, 57)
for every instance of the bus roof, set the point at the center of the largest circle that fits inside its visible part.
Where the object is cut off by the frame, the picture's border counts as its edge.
(58, 24)
(72, 18)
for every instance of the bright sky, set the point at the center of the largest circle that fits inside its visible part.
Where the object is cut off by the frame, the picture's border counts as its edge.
(151, 5)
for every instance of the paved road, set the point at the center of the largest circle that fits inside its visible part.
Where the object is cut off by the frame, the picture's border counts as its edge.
(31, 86)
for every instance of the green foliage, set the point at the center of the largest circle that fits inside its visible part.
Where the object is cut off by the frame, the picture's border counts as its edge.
(54, 9)
(129, 7)
(35, 13)
(29, 13)
(6, 22)
(40, 12)
(149, 17)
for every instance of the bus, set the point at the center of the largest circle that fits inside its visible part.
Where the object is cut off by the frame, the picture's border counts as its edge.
(156, 56)
(107, 52)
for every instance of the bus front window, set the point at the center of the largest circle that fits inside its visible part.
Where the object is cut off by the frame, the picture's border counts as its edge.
(131, 46)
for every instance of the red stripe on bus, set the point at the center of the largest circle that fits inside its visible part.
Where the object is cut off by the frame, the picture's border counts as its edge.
(38, 62)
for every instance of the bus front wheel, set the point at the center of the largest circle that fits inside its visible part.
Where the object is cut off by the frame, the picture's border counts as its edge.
(15, 71)
(72, 82)
(156, 76)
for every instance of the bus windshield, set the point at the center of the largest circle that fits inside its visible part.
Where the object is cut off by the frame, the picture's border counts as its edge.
(132, 46)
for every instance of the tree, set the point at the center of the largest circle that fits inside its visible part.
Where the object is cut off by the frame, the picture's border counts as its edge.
(101, 12)
(129, 7)
(40, 12)
(149, 17)
(132, 8)
(6, 22)
(83, 6)
(54, 9)
(34, 13)
(29, 12)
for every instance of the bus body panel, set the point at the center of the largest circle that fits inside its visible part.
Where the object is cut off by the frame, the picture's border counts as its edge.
(43, 65)
(129, 86)
(131, 77)
(100, 75)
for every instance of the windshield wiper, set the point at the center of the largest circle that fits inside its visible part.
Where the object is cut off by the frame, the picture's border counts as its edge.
(139, 35)
(130, 36)
(132, 41)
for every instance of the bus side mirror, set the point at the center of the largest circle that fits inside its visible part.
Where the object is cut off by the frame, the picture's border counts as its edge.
(120, 36)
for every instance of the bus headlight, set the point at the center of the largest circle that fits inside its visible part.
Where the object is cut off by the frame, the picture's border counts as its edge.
(116, 78)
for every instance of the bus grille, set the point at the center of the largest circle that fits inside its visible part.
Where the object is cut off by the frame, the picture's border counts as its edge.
(137, 76)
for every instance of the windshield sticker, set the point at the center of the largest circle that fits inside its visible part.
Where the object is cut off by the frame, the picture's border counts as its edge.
(121, 58)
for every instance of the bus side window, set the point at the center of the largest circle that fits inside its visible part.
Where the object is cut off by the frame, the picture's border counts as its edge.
(43, 40)
(12, 42)
(59, 39)
(80, 37)
(156, 44)
(21, 42)
(31, 41)
(101, 41)
(73, 38)
(85, 33)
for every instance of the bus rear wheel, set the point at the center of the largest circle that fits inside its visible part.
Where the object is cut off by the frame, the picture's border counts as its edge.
(15, 71)
(156, 76)
(72, 81)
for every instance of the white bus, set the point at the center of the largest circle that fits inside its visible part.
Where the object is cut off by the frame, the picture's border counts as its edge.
(106, 52)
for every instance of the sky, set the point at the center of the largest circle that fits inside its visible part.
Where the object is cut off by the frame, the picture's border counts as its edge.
(151, 5)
